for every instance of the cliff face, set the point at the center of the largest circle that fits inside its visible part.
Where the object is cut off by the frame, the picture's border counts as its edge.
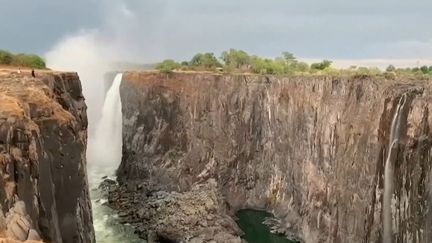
(310, 149)
(43, 136)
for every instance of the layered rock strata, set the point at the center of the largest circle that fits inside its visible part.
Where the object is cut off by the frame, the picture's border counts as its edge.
(43, 136)
(310, 149)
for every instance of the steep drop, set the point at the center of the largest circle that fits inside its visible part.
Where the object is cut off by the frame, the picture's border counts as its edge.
(104, 151)
(104, 155)
(310, 150)
(388, 170)
(43, 177)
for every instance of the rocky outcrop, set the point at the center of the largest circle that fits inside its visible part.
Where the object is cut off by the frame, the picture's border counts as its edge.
(43, 135)
(312, 150)
(197, 215)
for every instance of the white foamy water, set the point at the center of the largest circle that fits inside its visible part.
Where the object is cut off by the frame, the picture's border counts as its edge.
(104, 150)
(104, 153)
(389, 173)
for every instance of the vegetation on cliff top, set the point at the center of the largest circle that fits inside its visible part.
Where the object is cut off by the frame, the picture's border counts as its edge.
(21, 60)
(238, 61)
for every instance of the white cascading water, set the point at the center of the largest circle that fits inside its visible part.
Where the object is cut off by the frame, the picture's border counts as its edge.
(104, 154)
(388, 171)
(105, 147)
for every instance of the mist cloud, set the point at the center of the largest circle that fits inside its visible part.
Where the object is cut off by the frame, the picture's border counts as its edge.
(149, 31)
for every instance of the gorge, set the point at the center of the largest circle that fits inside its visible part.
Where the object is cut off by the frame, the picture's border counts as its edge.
(333, 158)
(310, 149)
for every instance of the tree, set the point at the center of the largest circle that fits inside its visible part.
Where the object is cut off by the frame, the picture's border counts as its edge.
(258, 65)
(321, 65)
(236, 58)
(424, 69)
(390, 68)
(167, 66)
(288, 56)
(301, 67)
(5, 57)
(206, 61)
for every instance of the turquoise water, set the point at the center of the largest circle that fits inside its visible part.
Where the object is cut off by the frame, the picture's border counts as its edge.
(251, 222)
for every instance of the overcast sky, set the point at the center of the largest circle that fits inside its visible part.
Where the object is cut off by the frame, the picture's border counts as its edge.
(150, 30)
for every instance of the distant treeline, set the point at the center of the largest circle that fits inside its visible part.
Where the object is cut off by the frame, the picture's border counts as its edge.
(238, 61)
(21, 60)
(425, 70)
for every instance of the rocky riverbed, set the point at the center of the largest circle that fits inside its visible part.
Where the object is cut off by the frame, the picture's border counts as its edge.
(198, 215)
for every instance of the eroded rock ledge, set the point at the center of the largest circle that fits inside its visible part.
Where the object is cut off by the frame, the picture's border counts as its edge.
(43, 136)
(309, 149)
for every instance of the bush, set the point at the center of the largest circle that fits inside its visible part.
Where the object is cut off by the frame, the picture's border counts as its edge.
(236, 58)
(390, 68)
(5, 57)
(32, 61)
(167, 66)
(321, 65)
(205, 61)
(424, 69)
(23, 60)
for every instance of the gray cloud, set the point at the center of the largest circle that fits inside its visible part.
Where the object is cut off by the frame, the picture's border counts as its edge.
(155, 29)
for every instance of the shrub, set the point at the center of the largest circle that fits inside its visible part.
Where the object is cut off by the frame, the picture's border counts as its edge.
(321, 65)
(424, 69)
(167, 66)
(5, 57)
(236, 58)
(23, 60)
(205, 61)
(390, 68)
(32, 61)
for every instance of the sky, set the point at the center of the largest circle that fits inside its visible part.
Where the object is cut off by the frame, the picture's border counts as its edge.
(152, 30)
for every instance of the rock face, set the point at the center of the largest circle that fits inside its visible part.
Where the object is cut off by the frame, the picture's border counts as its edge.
(197, 215)
(312, 150)
(43, 136)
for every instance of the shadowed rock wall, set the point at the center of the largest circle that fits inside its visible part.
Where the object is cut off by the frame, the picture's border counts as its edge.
(43, 137)
(310, 149)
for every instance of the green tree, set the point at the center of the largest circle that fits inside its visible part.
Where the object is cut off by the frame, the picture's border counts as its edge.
(390, 68)
(206, 61)
(236, 58)
(258, 65)
(301, 67)
(167, 66)
(321, 65)
(424, 69)
(415, 70)
(288, 56)
(5, 57)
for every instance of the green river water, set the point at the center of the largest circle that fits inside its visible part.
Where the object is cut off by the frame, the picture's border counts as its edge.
(251, 222)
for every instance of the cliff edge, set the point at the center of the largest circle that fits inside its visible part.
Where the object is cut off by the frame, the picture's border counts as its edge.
(43, 136)
(311, 149)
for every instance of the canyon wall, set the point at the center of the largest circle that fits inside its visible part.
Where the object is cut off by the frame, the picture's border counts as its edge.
(310, 149)
(43, 136)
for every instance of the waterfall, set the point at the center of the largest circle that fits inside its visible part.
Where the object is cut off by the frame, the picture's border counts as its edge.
(388, 170)
(105, 147)
(104, 153)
